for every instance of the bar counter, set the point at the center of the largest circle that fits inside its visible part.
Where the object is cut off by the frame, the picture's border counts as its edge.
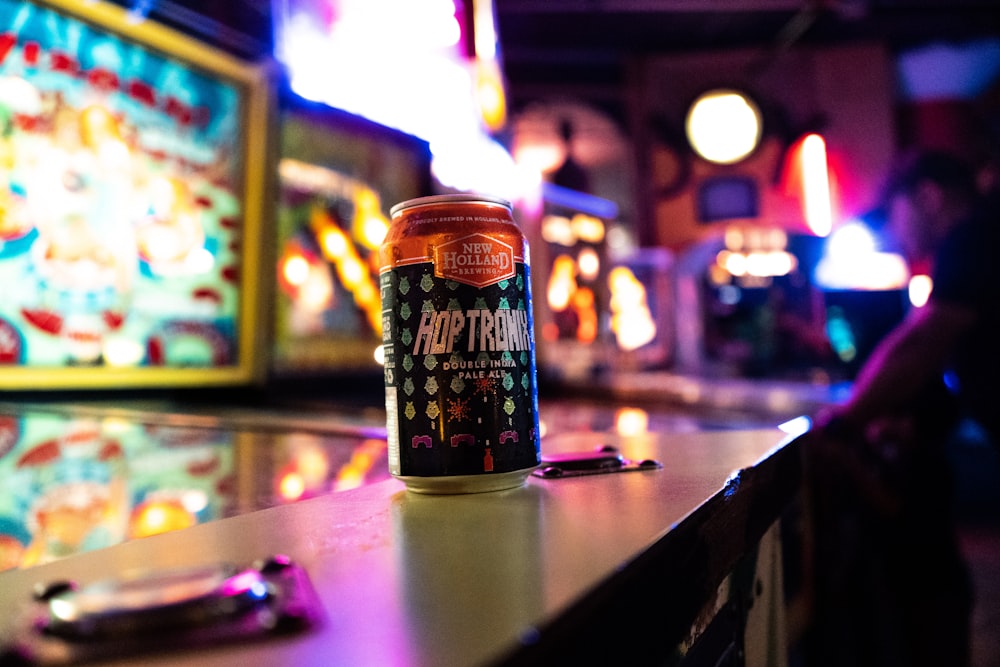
(624, 568)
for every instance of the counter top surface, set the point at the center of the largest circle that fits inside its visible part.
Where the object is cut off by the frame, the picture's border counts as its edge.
(408, 579)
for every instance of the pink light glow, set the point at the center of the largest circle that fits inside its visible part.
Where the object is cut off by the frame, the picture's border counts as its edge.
(816, 185)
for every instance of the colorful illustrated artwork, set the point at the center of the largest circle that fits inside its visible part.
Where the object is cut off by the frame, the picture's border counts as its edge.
(121, 215)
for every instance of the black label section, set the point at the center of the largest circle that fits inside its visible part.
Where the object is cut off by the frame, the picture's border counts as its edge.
(461, 366)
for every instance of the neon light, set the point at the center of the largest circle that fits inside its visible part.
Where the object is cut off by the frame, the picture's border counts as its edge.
(816, 185)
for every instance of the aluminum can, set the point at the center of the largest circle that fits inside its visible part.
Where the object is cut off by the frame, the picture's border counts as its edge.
(461, 392)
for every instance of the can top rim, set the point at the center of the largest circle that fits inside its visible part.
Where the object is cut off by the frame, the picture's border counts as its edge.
(449, 198)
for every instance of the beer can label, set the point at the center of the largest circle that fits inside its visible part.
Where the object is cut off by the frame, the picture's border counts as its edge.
(461, 395)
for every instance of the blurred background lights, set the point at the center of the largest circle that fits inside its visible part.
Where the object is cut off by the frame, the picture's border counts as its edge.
(364, 56)
(919, 289)
(631, 421)
(852, 260)
(631, 319)
(851, 240)
(123, 352)
(295, 270)
(816, 185)
(588, 263)
(723, 126)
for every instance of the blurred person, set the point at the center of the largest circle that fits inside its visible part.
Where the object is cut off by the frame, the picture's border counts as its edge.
(891, 585)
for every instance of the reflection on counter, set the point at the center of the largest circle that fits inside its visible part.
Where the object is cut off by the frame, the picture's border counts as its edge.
(79, 477)
(76, 481)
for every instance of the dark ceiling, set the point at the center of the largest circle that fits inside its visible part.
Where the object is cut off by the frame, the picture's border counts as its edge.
(588, 42)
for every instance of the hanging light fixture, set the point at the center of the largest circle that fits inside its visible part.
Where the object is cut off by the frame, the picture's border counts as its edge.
(723, 126)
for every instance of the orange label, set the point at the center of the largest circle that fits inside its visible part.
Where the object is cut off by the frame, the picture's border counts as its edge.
(477, 259)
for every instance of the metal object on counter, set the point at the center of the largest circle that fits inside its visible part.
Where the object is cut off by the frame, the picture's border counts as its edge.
(162, 610)
(601, 461)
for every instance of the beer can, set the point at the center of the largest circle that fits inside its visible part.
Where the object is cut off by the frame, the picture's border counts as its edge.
(461, 392)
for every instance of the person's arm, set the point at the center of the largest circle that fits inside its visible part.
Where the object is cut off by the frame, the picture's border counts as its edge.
(910, 355)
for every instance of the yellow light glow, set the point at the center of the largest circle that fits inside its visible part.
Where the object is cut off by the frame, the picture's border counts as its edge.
(366, 295)
(370, 224)
(379, 355)
(160, 516)
(588, 228)
(316, 293)
(353, 473)
(374, 230)
(588, 264)
(490, 95)
(540, 158)
(352, 273)
(718, 275)
(631, 421)
(734, 238)
(920, 289)
(560, 292)
(562, 283)
(312, 464)
(586, 315)
(557, 229)
(334, 242)
(291, 486)
(631, 320)
(295, 270)
(723, 126)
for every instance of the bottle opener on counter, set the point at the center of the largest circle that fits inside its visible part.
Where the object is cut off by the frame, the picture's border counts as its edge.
(606, 459)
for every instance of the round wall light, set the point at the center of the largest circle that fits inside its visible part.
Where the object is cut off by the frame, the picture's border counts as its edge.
(723, 126)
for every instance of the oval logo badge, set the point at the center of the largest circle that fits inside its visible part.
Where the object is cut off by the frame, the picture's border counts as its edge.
(477, 259)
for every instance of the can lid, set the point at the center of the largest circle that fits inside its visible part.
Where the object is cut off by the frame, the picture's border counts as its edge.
(470, 198)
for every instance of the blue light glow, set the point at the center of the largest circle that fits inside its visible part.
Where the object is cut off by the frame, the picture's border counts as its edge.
(949, 71)
(852, 260)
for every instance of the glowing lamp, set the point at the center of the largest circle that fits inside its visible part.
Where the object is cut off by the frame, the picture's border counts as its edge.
(723, 126)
